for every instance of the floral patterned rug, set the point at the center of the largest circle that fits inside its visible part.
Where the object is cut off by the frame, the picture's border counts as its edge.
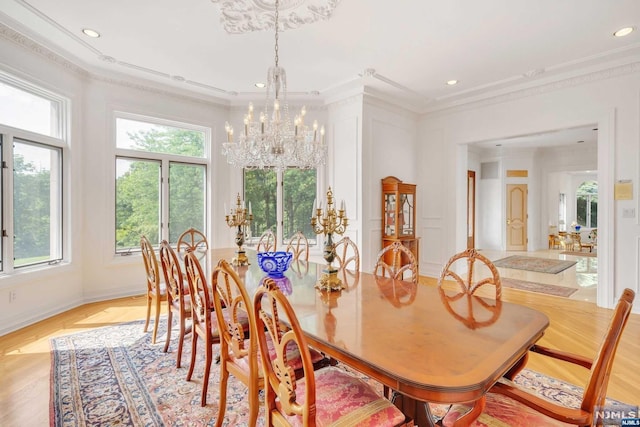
(114, 376)
(540, 265)
(544, 288)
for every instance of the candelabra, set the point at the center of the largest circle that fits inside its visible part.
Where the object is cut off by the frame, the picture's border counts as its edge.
(239, 217)
(328, 222)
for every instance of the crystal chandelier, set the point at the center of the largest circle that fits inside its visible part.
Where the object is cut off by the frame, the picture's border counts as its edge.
(271, 140)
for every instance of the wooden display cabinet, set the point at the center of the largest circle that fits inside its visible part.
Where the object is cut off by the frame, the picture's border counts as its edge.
(399, 215)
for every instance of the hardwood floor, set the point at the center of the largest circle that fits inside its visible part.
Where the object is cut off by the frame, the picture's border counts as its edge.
(577, 326)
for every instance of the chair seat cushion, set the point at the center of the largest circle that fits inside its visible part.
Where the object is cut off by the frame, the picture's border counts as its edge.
(186, 300)
(344, 399)
(501, 410)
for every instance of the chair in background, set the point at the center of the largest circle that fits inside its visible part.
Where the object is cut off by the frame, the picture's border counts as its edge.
(156, 291)
(267, 242)
(403, 265)
(191, 240)
(299, 246)
(204, 320)
(347, 254)
(178, 299)
(508, 399)
(322, 397)
(473, 311)
(468, 285)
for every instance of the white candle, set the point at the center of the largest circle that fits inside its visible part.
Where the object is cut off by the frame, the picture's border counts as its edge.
(249, 208)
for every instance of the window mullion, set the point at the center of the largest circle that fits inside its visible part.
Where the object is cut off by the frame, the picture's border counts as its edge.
(164, 199)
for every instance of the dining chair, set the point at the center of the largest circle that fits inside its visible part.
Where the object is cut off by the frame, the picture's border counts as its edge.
(178, 299)
(327, 396)
(238, 345)
(191, 240)
(468, 284)
(395, 261)
(239, 354)
(347, 254)
(463, 269)
(267, 242)
(507, 399)
(156, 290)
(299, 246)
(204, 320)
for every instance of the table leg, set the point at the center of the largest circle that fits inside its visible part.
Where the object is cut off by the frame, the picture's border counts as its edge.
(473, 414)
(418, 411)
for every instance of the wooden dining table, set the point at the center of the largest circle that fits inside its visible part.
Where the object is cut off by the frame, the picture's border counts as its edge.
(425, 343)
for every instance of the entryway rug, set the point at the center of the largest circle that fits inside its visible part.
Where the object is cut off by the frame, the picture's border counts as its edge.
(589, 254)
(114, 376)
(543, 288)
(540, 265)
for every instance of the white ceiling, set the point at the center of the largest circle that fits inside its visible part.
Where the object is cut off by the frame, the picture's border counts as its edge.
(414, 47)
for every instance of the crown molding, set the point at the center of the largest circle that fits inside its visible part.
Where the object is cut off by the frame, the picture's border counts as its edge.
(25, 42)
(537, 88)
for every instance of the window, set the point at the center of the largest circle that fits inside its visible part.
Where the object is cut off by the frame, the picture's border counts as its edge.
(587, 204)
(32, 149)
(161, 170)
(284, 212)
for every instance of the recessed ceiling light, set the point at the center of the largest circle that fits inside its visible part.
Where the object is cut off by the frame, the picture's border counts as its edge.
(580, 142)
(260, 85)
(90, 33)
(452, 82)
(623, 31)
(498, 145)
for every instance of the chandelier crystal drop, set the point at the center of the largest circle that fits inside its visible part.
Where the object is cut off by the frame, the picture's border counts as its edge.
(271, 140)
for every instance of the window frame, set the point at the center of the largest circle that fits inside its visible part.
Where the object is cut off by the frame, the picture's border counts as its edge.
(165, 160)
(282, 240)
(588, 202)
(61, 107)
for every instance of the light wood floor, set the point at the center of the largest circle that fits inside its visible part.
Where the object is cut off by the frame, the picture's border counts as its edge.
(577, 326)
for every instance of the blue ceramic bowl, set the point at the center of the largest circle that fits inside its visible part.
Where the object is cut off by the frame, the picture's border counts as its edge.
(274, 263)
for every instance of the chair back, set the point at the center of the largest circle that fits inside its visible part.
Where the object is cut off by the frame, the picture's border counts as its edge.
(271, 310)
(396, 261)
(172, 273)
(201, 299)
(230, 296)
(595, 392)
(150, 266)
(299, 246)
(267, 242)
(347, 254)
(468, 285)
(191, 240)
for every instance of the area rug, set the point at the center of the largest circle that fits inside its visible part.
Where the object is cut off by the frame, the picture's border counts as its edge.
(114, 376)
(589, 254)
(540, 265)
(543, 288)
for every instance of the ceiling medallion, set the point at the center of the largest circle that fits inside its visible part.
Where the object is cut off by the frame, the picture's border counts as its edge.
(243, 16)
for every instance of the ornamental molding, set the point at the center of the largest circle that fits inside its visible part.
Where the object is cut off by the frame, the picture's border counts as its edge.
(25, 42)
(244, 16)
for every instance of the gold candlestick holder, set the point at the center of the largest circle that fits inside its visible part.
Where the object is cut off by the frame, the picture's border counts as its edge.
(328, 222)
(239, 217)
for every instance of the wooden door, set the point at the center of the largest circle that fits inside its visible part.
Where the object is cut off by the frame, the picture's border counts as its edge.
(471, 209)
(517, 217)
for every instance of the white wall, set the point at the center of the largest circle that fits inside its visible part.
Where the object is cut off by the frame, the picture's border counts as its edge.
(610, 99)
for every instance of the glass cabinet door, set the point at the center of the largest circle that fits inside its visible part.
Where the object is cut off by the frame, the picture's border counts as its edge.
(389, 214)
(405, 214)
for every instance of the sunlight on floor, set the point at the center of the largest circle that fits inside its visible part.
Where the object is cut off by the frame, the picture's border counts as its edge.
(583, 276)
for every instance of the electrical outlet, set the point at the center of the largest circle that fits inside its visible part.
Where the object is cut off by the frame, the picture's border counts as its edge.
(12, 296)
